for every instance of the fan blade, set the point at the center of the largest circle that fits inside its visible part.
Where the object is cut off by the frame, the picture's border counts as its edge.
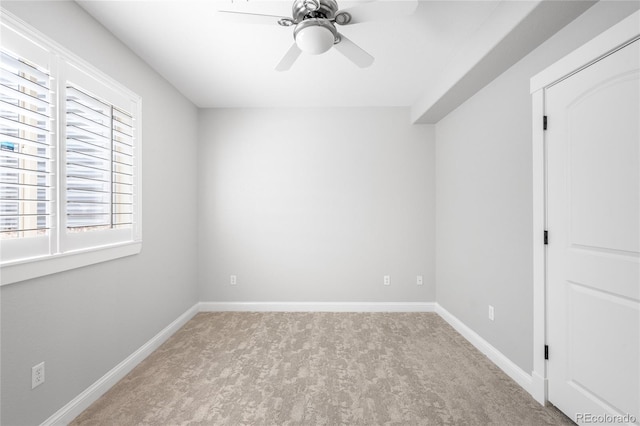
(250, 18)
(353, 52)
(289, 58)
(380, 10)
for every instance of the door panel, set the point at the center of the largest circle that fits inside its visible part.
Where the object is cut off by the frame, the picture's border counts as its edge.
(612, 351)
(593, 257)
(600, 193)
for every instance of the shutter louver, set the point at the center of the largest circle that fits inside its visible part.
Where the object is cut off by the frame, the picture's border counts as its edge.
(25, 149)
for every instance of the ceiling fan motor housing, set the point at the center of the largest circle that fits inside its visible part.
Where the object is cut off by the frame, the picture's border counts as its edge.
(324, 9)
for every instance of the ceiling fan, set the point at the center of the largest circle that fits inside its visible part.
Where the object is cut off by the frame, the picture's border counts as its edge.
(314, 26)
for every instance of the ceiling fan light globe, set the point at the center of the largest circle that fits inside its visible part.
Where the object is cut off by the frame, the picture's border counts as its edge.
(315, 39)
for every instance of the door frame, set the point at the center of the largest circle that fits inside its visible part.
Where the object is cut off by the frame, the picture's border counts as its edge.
(613, 39)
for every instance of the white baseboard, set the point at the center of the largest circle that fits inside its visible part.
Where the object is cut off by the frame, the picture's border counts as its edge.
(525, 380)
(81, 402)
(317, 307)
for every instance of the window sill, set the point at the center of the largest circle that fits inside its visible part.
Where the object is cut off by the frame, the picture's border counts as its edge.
(21, 270)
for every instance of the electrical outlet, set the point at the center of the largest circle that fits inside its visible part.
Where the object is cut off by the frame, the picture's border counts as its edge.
(37, 375)
(233, 280)
(419, 280)
(387, 280)
(491, 316)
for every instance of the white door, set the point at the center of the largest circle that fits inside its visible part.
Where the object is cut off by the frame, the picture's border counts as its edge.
(593, 219)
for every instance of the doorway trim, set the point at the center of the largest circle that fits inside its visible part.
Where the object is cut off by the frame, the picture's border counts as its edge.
(611, 40)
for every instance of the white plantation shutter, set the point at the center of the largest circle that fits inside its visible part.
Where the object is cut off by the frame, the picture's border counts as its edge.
(99, 164)
(25, 149)
(88, 165)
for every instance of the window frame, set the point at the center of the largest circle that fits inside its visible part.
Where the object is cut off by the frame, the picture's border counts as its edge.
(65, 251)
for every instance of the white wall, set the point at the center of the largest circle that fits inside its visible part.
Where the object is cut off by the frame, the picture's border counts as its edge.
(484, 193)
(315, 205)
(84, 322)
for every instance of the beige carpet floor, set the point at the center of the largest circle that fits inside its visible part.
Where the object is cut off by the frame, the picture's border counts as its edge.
(317, 369)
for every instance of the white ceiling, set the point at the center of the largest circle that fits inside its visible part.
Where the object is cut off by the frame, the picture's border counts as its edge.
(218, 63)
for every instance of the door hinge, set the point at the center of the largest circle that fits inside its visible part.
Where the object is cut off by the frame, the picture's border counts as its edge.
(546, 237)
(544, 122)
(546, 352)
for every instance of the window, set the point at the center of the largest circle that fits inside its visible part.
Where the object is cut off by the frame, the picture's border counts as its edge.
(69, 159)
